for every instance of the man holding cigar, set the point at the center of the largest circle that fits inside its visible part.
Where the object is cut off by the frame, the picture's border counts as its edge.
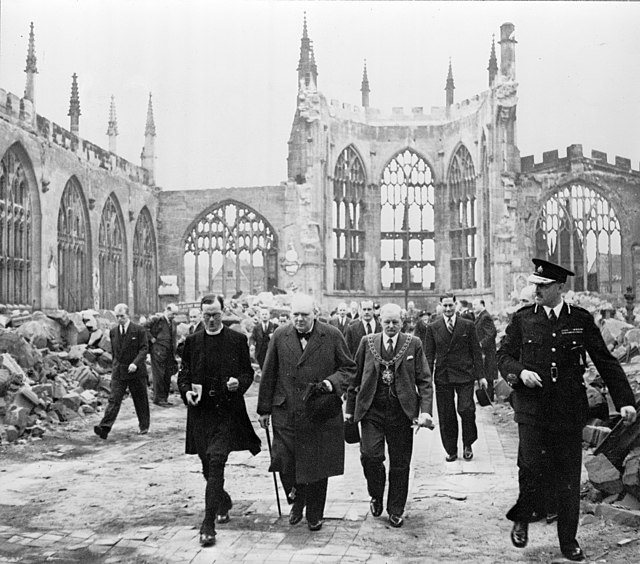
(216, 372)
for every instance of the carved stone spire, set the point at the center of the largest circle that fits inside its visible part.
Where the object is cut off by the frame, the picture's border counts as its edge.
(449, 88)
(365, 86)
(493, 62)
(148, 156)
(31, 68)
(112, 128)
(74, 106)
(307, 68)
(150, 128)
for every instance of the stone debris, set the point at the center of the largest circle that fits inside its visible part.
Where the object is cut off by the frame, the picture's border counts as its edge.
(54, 368)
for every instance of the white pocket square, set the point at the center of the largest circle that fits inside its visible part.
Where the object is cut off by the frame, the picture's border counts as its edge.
(409, 357)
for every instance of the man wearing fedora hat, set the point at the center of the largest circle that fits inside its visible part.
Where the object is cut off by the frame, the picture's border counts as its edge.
(543, 357)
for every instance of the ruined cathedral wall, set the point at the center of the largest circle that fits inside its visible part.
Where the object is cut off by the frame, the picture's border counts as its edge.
(51, 157)
(179, 212)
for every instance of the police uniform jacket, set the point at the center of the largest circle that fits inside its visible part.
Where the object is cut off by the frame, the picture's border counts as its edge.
(556, 352)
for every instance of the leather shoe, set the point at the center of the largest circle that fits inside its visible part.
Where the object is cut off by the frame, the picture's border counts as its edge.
(396, 520)
(143, 431)
(452, 457)
(295, 515)
(101, 431)
(551, 518)
(163, 403)
(520, 534)
(574, 553)
(315, 526)
(222, 518)
(375, 506)
(208, 538)
(467, 453)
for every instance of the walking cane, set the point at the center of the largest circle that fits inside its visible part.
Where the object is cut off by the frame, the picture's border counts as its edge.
(275, 481)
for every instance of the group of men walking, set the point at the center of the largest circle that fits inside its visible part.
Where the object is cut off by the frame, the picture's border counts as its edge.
(387, 378)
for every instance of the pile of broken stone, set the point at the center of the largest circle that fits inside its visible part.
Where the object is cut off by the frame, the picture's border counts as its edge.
(54, 368)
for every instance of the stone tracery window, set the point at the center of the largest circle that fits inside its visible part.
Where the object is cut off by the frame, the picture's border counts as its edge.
(407, 247)
(15, 232)
(230, 249)
(145, 271)
(74, 263)
(463, 216)
(348, 222)
(112, 256)
(578, 229)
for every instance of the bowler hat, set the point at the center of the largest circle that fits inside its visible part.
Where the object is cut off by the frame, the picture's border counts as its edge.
(320, 404)
(547, 272)
(483, 397)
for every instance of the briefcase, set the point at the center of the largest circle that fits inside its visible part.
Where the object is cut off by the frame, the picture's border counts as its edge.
(351, 432)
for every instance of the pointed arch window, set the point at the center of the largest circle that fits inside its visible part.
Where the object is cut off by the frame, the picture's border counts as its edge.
(348, 221)
(145, 271)
(407, 238)
(231, 249)
(578, 229)
(15, 232)
(112, 256)
(464, 219)
(74, 280)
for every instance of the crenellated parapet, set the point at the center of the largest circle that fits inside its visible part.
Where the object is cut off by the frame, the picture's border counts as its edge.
(575, 159)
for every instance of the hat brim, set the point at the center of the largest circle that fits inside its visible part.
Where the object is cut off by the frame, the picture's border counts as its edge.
(535, 279)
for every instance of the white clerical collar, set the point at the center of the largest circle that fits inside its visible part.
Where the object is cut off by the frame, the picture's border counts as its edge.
(214, 332)
(557, 309)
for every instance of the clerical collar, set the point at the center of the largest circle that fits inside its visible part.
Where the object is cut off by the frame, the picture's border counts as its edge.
(557, 309)
(215, 332)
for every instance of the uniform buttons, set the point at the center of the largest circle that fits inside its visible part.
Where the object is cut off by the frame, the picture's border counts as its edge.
(553, 349)
(553, 364)
(553, 334)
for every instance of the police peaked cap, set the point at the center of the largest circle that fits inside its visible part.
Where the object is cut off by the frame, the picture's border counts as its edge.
(547, 273)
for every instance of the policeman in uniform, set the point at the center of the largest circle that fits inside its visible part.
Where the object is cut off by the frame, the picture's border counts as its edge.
(543, 357)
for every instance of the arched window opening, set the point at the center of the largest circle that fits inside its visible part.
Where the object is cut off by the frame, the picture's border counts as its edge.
(74, 279)
(578, 229)
(348, 221)
(463, 216)
(230, 250)
(145, 272)
(407, 247)
(112, 256)
(15, 233)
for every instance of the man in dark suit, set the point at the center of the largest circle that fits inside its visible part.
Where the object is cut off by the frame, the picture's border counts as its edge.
(129, 371)
(455, 359)
(464, 310)
(305, 452)
(215, 373)
(391, 391)
(486, 330)
(543, 358)
(341, 320)
(360, 327)
(162, 337)
(261, 334)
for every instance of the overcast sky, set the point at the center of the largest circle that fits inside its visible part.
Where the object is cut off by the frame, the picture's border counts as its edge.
(223, 73)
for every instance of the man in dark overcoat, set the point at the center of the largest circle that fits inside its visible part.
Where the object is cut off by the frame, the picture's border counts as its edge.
(455, 360)
(216, 360)
(162, 339)
(391, 391)
(543, 357)
(305, 453)
(487, 332)
(364, 325)
(129, 371)
(261, 334)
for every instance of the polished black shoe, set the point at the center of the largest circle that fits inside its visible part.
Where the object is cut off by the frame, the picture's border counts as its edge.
(143, 431)
(315, 526)
(467, 453)
(396, 520)
(375, 506)
(101, 431)
(551, 518)
(163, 403)
(295, 515)
(574, 554)
(451, 457)
(222, 518)
(208, 538)
(520, 534)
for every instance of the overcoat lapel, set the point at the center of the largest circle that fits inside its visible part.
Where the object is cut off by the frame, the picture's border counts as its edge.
(314, 343)
(402, 339)
(293, 342)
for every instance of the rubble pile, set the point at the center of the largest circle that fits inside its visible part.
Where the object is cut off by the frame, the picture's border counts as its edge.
(54, 368)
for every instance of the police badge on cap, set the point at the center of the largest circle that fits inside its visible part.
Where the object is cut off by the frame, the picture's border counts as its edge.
(547, 273)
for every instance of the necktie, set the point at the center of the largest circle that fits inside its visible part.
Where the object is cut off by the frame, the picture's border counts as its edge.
(369, 331)
(552, 316)
(265, 328)
(121, 331)
(191, 330)
(450, 324)
(390, 347)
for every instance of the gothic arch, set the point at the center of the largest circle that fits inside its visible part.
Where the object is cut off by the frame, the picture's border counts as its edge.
(20, 230)
(229, 249)
(349, 190)
(463, 219)
(578, 227)
(407, 223)
(74, 249)
(145, 267)
(112, 250)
